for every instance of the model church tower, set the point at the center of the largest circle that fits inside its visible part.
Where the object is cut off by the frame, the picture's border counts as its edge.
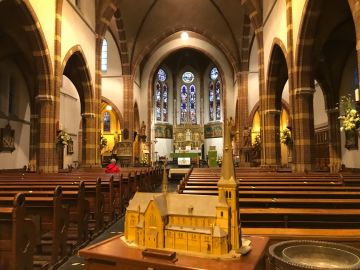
(228, 190)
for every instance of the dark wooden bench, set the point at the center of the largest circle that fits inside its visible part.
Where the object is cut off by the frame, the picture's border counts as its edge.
(17, 236)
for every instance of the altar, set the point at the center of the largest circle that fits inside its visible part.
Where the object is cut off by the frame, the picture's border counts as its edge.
(182, 155)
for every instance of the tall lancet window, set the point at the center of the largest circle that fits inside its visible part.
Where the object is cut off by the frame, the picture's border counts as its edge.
(161, 97)
(214, 95)
(188, 99)
(107, 121)
(104, 56)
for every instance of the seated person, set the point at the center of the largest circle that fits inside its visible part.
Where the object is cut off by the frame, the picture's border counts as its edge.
(112, 167)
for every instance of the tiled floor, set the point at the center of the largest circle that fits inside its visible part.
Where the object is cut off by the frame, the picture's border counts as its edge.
(77, 263)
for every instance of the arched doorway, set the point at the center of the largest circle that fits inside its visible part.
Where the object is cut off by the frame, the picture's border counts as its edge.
(76, 70)
(276, 81)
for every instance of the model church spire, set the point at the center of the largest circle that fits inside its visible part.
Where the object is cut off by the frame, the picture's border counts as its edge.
(228, 189)
(165, 181)
(227, 169)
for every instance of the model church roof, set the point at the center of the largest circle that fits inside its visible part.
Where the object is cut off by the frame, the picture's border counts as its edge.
(176, 204)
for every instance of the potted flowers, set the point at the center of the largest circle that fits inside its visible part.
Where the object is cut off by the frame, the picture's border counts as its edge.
(63, 138)
(350, 121)
(285, 136)
(103, 142)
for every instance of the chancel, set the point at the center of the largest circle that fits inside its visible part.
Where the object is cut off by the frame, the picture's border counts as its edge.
(156, 86)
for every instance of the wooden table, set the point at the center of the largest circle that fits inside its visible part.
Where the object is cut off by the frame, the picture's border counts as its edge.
(113, 254)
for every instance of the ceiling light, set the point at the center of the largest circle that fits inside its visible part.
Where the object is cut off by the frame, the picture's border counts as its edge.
(108, 108)
(184, 35)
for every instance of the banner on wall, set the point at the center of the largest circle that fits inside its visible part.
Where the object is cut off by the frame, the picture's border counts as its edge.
(213, 130)
(164, 131)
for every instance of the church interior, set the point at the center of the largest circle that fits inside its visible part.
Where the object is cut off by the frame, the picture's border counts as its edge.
(153, 88)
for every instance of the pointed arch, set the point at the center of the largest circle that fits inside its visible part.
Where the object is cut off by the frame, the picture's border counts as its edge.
(277, 73)
(75, 67)
(115, 108)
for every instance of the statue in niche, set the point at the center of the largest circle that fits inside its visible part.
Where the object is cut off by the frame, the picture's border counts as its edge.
(143, 129)
(247, 136)
(188, 135)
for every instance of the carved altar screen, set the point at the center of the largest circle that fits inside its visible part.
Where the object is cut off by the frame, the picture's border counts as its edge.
(188, 136)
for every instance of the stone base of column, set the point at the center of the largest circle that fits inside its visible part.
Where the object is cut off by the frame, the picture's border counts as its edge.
(302, 167)
(90, 166)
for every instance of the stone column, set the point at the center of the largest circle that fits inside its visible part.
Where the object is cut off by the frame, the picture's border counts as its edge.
(242, 112)
(304, 124)
(271, 139)
(46, 135)
(88, 143)
(34, 122)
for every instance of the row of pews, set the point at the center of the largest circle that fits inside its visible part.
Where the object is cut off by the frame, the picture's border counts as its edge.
(272, 202)
(44, 218)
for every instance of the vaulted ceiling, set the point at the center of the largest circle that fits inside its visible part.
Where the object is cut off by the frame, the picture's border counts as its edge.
(146, 22)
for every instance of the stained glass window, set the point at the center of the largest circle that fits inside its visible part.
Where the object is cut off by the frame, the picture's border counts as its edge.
(107, 121)
(183, 103)
(188, 77)
(193, 104)
(158, 101)
(214, 73)
(165, 103)
(356, 78)
(161, 96)
(161, 75)
(214, 95)
(104, 55)
(218, 100)
(211, 101)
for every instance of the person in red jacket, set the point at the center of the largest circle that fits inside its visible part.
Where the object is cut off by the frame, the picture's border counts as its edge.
(112, 167)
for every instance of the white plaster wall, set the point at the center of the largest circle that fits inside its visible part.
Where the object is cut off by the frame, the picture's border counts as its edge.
(320, 115)
(267, 6)
(45, 12)
(76, 32)
(113, 89)
(298, 8)
(285, 92)
(275, 27)
(87, 10)
(218, 142)
(112, 81)
(70, 117)
(20, 120)
(164, 147)
(253, 78)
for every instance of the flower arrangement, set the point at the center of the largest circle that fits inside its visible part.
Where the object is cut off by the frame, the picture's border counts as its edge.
(257, 143)
(285, 136)
(350, 118)
(103, 142)
(63, 138)
(219, 161)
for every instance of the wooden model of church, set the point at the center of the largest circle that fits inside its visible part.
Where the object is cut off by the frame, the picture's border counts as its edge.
(191, 223)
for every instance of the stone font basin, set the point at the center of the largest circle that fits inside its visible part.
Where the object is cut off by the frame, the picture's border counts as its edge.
(313, 255)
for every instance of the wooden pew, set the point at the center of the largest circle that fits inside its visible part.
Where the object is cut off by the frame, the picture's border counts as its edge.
(52, 225)
(17, 236)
